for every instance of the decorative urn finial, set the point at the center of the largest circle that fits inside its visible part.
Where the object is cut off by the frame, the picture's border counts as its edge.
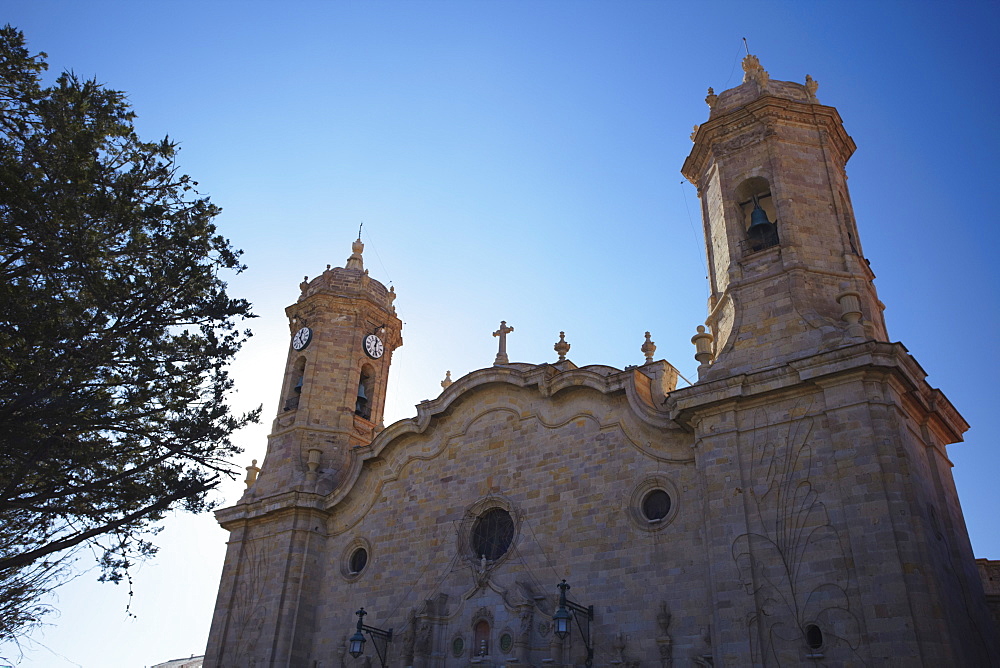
(446, 383)
(561, 346)
(355, 261)
(648, 348)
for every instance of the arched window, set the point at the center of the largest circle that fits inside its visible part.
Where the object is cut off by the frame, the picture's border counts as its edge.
(295, 382)
(363, 406)
(481, 638)
(757, 213)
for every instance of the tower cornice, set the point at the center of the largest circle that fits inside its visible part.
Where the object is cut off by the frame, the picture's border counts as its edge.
(761, 119)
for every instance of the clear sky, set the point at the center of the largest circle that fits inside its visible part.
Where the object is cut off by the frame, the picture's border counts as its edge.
(520, 160)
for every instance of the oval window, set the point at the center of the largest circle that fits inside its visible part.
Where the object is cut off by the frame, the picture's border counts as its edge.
(492, 534)
(358, 560)
(656, 505)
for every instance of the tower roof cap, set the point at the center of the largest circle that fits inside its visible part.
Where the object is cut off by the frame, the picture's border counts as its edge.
(757, 83)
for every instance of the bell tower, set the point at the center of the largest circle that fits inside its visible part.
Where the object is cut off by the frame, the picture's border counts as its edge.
(786, 269)
(836, 533)
(343, 330)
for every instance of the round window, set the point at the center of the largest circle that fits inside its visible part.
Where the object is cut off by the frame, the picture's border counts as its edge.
(358, 560)
(492, 534)
(656, 505)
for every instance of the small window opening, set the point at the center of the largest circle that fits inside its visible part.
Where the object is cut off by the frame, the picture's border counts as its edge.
(814, 637)
(358, 560)
(295, 385)
(656, 505)
(363, 406)
(758, 214)
(481, 643)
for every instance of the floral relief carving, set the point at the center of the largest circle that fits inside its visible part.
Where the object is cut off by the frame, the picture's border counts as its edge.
(789, 535)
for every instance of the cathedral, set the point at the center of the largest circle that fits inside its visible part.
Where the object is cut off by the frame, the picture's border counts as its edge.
(793, 506)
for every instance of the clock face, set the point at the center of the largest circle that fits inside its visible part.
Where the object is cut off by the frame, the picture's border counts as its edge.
(302, 338)
(373, 346)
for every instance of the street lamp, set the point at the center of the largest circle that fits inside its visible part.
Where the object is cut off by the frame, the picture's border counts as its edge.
(583, 615)
(380, 638)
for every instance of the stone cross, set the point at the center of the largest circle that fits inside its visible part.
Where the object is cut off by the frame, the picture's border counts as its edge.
(502, 333)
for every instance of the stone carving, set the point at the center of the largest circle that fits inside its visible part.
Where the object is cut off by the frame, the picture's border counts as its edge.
(694, 132)
(753, 71)
(648, 348)
(252, 472)
(422, 645)
(703, 347)
(711, 98)
(561, 346)
(811, 88)
(502, 352)
(789, 528)
(724, 148)
(664, 642)
(409, 636)
(618, 644)
(524, 635)
(446, 383)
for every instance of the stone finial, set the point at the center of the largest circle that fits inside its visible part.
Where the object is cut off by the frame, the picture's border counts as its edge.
(502, 352)
(304, 284)
(561, 346)
(313, 464)
(252, 472)
(694, 132)
(703, 345)
(711, 98)
(850, 312)
(753, 71)
(648, 348)
(446, 383)
(811, 88)
(355, 261)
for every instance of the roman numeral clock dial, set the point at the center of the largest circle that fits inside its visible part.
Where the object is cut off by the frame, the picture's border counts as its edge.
(373, 346)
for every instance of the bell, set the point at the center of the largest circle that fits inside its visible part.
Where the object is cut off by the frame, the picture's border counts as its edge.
(762, 233)
(361, 393)
(298, 385)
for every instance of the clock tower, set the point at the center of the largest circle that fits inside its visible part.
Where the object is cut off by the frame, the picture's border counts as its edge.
(343, 330)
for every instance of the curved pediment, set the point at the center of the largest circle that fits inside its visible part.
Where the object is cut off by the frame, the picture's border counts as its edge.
(510, 409)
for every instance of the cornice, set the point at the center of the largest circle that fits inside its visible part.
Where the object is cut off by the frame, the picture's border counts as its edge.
(758, 121)
(839, 365)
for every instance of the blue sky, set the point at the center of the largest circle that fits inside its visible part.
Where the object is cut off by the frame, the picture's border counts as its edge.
(520, 161)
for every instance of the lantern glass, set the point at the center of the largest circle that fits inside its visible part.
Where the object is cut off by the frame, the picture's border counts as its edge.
(357, 647)
(561, 618)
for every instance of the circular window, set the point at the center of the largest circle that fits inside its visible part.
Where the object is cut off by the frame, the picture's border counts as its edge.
(653, 503)
(492, 534)
(814, 636)
(358, 560)
(355, 558)
(656, 505)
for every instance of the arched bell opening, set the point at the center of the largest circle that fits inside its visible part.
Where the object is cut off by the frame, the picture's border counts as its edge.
(758, 214)
(365, 398)
(295, 382)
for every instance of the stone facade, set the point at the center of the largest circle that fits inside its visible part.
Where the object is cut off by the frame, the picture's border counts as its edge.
(794, 506)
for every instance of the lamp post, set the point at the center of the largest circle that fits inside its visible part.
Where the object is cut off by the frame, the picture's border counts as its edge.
(583, 615)
(380, 638)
